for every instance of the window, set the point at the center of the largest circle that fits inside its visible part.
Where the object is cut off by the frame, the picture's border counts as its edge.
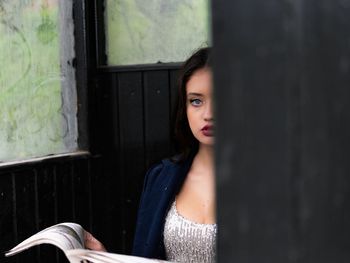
(142, 32)
(37, 79)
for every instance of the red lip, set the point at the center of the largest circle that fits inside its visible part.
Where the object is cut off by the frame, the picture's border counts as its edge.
(208, 130)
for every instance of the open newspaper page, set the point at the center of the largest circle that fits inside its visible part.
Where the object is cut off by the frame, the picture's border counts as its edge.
(105, 257)
(66, 236)
(69, 237)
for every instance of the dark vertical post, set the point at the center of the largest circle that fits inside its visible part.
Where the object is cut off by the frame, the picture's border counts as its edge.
(282, 90)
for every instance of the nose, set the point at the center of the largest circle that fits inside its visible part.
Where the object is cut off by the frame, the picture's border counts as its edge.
(208, 111)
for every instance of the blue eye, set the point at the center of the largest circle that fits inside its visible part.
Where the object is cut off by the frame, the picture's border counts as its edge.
(196, 102)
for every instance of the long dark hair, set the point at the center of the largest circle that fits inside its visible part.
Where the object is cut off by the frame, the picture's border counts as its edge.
(187, 144)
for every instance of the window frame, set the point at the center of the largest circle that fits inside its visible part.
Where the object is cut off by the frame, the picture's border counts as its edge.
(101, 53)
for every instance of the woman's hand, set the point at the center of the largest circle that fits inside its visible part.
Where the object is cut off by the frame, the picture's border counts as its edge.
(92, 243)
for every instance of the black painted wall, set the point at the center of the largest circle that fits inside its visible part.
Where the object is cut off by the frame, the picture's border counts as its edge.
(141, 104)
(36, 196)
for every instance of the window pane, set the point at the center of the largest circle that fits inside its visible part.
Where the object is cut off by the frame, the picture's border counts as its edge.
(36, 117)
(140, 32)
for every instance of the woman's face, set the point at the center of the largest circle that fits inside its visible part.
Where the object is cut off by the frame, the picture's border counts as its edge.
(200, 105)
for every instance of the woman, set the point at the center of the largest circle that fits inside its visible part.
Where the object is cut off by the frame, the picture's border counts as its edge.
(176, 217)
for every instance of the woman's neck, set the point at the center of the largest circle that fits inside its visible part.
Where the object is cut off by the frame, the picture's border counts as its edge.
(204, 158)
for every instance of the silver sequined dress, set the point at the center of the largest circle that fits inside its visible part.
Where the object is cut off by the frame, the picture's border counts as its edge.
(188, 241)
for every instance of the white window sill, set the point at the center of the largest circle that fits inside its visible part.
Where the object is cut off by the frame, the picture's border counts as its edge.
(44, 158)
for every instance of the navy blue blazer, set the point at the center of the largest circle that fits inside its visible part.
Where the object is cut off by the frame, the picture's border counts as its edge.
(162, 182)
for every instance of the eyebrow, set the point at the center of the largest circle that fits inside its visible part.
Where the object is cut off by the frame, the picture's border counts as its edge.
(195, 94)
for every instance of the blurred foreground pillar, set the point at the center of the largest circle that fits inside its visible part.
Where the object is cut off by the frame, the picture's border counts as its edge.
(282, 88)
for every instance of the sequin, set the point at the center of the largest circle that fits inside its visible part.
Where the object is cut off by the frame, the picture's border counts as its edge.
(188, 241)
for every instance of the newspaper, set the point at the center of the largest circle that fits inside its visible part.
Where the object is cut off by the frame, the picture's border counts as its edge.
(69, 237)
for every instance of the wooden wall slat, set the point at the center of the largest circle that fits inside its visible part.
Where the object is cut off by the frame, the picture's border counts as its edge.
(173, 90)
(46, 208)
(173, 93)
(132, 158)
(26, 218)
(106, 211)
(82, 191)
(63, 189)
(47, 196)
(7, 234)
(156, 115)
(64, 193)
(104, 175)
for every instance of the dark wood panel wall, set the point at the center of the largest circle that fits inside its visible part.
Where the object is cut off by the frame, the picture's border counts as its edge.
(36, 196)
(140, 135)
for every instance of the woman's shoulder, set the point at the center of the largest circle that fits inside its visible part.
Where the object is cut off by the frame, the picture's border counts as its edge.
(163, 170)
(174, 162)
(158, 168)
